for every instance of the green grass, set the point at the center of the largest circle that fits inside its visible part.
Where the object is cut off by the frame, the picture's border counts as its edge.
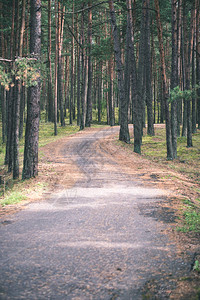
(12, 198)
(11, 195)
(191, 221)
(188, 160)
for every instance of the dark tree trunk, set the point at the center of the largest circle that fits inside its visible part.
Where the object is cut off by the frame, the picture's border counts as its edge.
(56, 70)
(100, 82)
(50, 87)
(89, 90)
(60, 63)
(174, 78)
(194, 112)
(16, 110)
(30, 168)
(188, 40)
(3, 112)
(124, 130)
(198, 63)
(111, 93)
(78, 84)
(148, 72)
(83, 73)
(164, 82)
(22, 107)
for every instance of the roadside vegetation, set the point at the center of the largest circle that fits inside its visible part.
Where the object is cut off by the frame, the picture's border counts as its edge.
(14, 191)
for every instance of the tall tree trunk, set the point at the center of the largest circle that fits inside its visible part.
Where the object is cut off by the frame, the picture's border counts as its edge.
(56, 70)
(198, 62)
(188, 40)
(179, 101)
(16, 101)
(124, 130)
(148, 72)
(30, 167)
(50, 87)
(111, 92)
(164, 82)
(60, 62)
(83, 72)
(100, 88)
(72, 73)
(174, 78)
(12, 50)
(194, 112)
(89, 90)
(3, 112)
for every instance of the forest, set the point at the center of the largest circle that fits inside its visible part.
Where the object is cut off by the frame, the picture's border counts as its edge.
(98, 62)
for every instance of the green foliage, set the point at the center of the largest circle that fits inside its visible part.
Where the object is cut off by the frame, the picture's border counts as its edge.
(23, 69)
(191, 217)
(196, 266)
(27, 71)
(5, 78)
(177, 94)
(12, 198)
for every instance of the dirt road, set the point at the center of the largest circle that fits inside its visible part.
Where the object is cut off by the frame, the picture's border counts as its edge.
(103, 238)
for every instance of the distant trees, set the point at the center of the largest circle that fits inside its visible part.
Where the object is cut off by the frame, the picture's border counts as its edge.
(100, 61)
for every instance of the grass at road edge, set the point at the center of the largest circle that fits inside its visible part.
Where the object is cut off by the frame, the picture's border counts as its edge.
(15, 191)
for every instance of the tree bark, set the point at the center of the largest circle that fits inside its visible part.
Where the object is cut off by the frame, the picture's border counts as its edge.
(50, 87)
(89, 90)
(164, 82)
(198, 63)
(30, 167)
(124, 130)
(60, 62)
(174, 78)
(148, 72)
(56, 70)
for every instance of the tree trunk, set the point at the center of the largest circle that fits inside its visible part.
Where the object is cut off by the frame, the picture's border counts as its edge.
(124, 131)
(89, 90)
(198, 63)
(30, 168)
(111, 93)
(188, 41)
(50, 87)
(3, 112)
(83, 73)
(148, 72)
(174, 78)
(164, 82)
(56, 70)
(60, 62)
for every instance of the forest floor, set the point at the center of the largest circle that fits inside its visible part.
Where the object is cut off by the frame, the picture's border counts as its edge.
(58, 171)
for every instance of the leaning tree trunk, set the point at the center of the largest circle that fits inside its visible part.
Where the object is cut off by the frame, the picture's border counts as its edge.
(30, 168)
(124, 131)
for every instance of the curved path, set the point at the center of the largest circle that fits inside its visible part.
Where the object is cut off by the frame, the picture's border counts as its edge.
(101, 239)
